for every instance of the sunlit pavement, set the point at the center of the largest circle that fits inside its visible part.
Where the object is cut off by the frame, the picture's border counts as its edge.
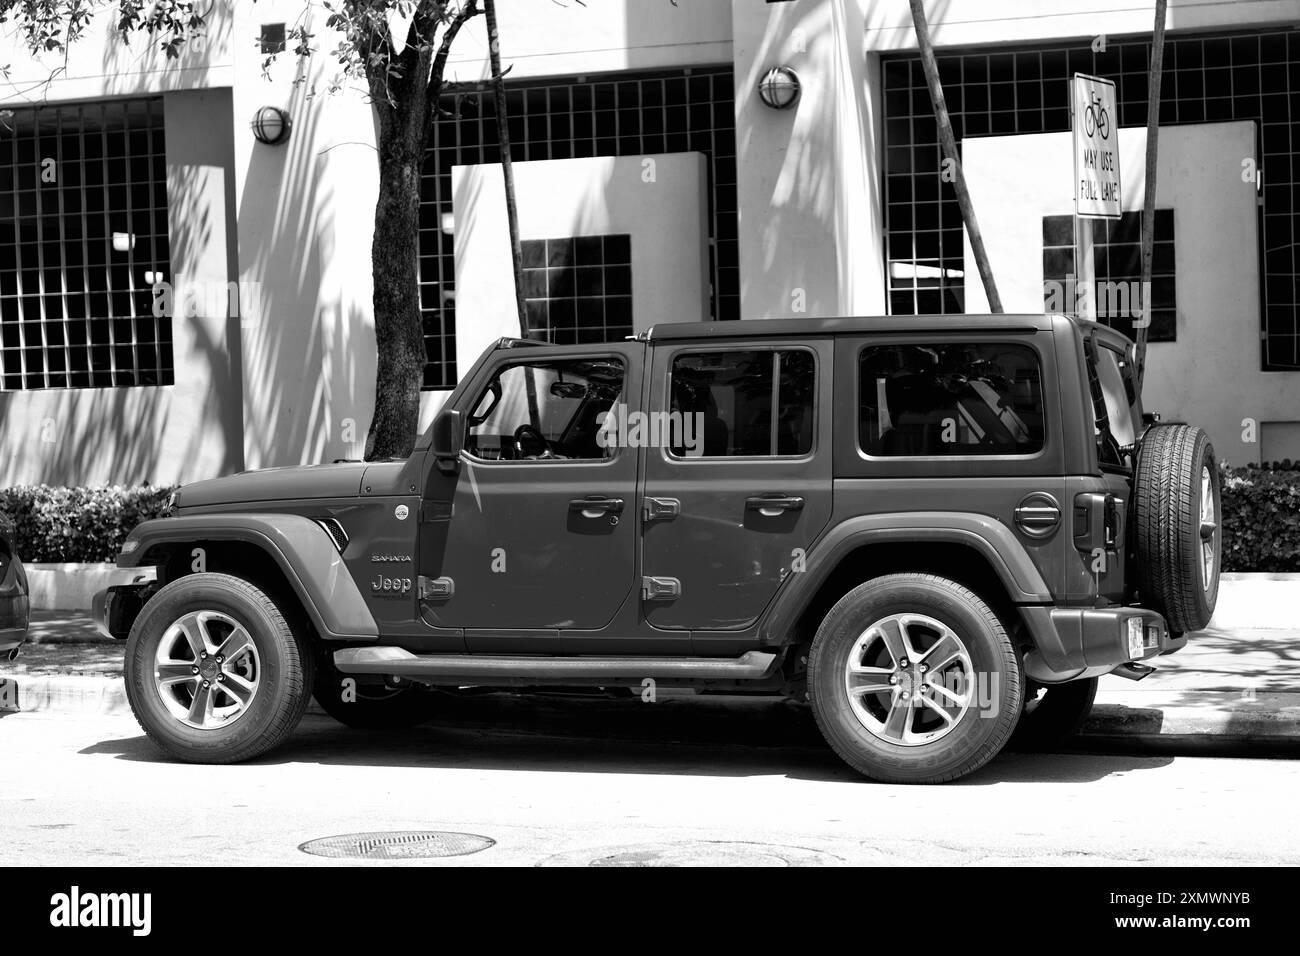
(554, 782)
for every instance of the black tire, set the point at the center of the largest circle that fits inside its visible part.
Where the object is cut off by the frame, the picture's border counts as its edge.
(1168, 531)
(974, 738)
(1053, 716)
(284, 670)
(369, 706)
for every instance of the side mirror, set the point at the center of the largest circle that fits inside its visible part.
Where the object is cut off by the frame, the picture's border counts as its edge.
(448, 439)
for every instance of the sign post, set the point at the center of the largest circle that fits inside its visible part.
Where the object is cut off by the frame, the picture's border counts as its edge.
(1094, 118)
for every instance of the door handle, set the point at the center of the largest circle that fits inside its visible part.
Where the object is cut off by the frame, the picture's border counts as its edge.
(596, 505)
(772, 505)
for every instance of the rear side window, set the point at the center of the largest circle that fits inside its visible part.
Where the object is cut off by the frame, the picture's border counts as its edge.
(1113, 398)
(754, 403)
(950, 399)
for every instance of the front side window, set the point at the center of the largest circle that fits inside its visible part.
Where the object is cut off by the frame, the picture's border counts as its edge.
(752, 403)
(546, 411)
(951, 399)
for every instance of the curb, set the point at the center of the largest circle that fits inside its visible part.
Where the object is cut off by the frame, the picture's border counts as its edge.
(64, 694)
(1151, 717)
(1221, 714)
(68, 694)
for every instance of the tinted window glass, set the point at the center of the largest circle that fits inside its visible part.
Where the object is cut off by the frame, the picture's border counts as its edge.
(950, 399)
(757, 402)
(537, 411)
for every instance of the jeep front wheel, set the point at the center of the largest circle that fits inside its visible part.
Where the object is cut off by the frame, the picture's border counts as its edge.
(214, 672)
(913, 679)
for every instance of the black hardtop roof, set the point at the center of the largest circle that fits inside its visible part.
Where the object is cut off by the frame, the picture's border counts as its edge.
(857, 325)
(746, 328)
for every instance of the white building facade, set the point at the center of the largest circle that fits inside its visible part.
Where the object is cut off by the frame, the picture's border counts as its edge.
(654, 185)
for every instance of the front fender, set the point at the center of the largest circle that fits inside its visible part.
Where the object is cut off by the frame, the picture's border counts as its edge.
(991, 539)
(300, 547)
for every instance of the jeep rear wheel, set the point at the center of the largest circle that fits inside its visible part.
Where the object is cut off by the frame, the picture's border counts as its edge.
(913, 679)
(214, 672)
(1177, 533)
(1052, 715)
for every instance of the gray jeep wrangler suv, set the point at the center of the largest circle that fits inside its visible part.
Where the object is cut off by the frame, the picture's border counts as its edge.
(933, 529)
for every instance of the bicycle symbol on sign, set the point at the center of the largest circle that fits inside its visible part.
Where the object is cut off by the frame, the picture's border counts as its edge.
(1096, 119)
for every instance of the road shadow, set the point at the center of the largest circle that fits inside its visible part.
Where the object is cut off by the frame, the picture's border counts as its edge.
(731, 737)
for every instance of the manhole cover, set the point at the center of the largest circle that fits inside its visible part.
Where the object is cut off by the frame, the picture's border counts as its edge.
(397, 845)
(695, 853)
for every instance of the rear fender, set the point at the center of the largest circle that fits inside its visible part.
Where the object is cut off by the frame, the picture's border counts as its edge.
(991, 539)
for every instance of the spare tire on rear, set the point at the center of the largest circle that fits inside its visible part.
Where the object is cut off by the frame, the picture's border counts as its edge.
(1177, 536)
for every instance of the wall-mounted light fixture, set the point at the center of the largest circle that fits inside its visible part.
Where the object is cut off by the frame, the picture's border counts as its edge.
(779, 87)
(271, 125)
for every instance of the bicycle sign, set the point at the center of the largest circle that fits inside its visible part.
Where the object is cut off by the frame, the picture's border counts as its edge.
(1096, 147)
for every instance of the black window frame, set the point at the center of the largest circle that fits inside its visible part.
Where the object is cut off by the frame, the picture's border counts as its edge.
(494, 375)
(775, 347)
(950, 340)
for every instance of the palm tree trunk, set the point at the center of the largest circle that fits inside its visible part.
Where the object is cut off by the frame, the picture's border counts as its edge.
(507, 169)
(1149, 197)
(949, 143)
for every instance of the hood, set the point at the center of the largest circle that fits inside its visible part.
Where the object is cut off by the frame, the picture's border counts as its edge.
(342, 480)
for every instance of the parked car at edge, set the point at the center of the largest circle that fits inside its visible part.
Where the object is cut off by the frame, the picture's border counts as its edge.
(14, 608)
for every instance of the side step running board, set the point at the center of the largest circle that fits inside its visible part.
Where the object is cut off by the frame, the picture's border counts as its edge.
(397, 662)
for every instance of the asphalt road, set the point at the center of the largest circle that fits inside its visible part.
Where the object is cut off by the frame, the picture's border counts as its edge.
(560, 782)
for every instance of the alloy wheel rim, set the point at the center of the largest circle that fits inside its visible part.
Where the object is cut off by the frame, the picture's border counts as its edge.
(909, 679)
(1209, 529)
(207, 670)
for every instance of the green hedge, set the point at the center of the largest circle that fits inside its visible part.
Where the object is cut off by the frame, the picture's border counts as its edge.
(77, 524)
(1261, 519)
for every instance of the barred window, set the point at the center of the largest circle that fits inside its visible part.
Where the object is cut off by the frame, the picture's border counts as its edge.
(630, 114)
(1117, 251)
(83, 239)
(1207, 79)
(578, 290)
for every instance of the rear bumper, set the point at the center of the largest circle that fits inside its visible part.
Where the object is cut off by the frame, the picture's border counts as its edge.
(1077, 643)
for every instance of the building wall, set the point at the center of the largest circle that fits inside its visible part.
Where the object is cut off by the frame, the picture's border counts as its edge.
(305, 218)
(1209, 375)
(99, 64)
(1227, 334)
(597, 36)
(970, 22)
(291, 379)
(661, 207)
(809, 196)
(157, 434)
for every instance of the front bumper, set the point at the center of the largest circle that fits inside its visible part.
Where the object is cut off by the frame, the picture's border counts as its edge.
(1078, 643)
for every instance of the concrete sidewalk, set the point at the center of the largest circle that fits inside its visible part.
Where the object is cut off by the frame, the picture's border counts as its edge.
(1230, 685)
(1240, 683)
